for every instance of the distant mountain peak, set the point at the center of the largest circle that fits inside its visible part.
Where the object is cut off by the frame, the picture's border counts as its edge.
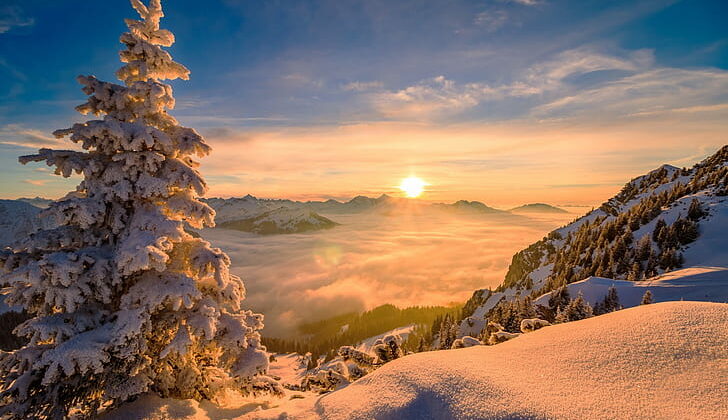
(537, 208)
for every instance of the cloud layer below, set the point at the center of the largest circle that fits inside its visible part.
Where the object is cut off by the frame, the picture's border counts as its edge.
(372, 259)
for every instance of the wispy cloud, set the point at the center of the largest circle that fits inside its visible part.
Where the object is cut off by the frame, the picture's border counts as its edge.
(12, 17)
(574, 83)
(491, 20)
(37, 182)
(650, 93)
(18, 135)
(358, 86)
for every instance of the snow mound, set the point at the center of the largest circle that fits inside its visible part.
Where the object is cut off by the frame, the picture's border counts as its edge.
(665, 360)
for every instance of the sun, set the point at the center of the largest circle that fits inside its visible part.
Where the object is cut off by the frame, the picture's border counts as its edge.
(412, 186)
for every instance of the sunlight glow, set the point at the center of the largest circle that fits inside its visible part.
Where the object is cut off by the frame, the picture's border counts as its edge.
(412, 186)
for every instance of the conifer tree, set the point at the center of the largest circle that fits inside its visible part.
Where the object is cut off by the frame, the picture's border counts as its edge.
(695, 211)
(646, 298)
(123, 300)
(576, 310)
(559, 298)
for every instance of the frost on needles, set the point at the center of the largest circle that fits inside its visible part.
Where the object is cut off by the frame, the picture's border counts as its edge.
(122, 299)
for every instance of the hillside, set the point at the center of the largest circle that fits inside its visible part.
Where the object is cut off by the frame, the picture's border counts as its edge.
(627, 361)
(17, 220)
(662, 221)
(632, 362)
(324, 337)
(280, 220)
(537, 208)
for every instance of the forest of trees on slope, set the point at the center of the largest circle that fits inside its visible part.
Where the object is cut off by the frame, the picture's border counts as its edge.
(326, 336)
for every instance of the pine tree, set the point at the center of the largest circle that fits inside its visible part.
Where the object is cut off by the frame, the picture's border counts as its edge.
(123, 300)
(644, 245)
(559, 298)
(695, 211)
(635, 273)
(659, 226)
(646, 298)
(610, 302)
(576, 310)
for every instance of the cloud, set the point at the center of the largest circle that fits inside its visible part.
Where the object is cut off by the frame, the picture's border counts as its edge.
(491, 20)
(527, 2)
(17, 135)
(576, 83)
(440, 97)
(370, 260)
(12, 17)
(650, 93)
(362, 86)
(37, 182)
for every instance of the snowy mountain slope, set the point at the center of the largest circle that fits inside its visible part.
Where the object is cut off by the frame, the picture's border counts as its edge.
(537, 208)
(659, 222)
(280, 220)
(665, 360)
(17, 220)
(707, 284)
(464, 206)
(39, 202)
(290, 369)
(367, 344)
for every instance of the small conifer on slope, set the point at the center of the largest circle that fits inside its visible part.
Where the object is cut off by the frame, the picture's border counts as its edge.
(123, 300)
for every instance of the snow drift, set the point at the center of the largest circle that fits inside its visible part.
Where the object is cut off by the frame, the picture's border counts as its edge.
(665, 360)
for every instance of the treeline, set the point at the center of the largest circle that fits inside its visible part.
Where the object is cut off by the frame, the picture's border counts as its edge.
(326, 336)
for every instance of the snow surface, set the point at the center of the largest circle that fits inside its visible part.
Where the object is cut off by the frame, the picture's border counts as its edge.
(665, 360)
(706, 284)
(367, 344)
(17, 220)
(290, 368)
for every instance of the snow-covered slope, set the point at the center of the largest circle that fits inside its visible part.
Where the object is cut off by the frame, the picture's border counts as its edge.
(280, 220)
(17, 220)
(39, 202)
(706, 284)
(661, 221)
(665, 360)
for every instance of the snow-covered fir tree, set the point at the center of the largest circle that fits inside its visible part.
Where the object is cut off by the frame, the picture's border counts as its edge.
(123, 300)
(576, 310)
(646, 298)
(610, 302)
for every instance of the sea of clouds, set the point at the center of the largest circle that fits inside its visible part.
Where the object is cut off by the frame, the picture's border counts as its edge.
(373, 259)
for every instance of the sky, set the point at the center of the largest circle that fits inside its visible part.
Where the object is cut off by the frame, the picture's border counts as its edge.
(501, 101)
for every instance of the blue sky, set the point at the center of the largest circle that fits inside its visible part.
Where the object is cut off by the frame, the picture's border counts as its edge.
(558, 99)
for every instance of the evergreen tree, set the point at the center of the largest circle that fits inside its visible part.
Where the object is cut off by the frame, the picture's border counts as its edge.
(644, 246)
(123, 300)
(646, 298)
(576, 310)
(610, 302)
(559, 298)
(635, 273)
(695, 211)
(659, 226)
